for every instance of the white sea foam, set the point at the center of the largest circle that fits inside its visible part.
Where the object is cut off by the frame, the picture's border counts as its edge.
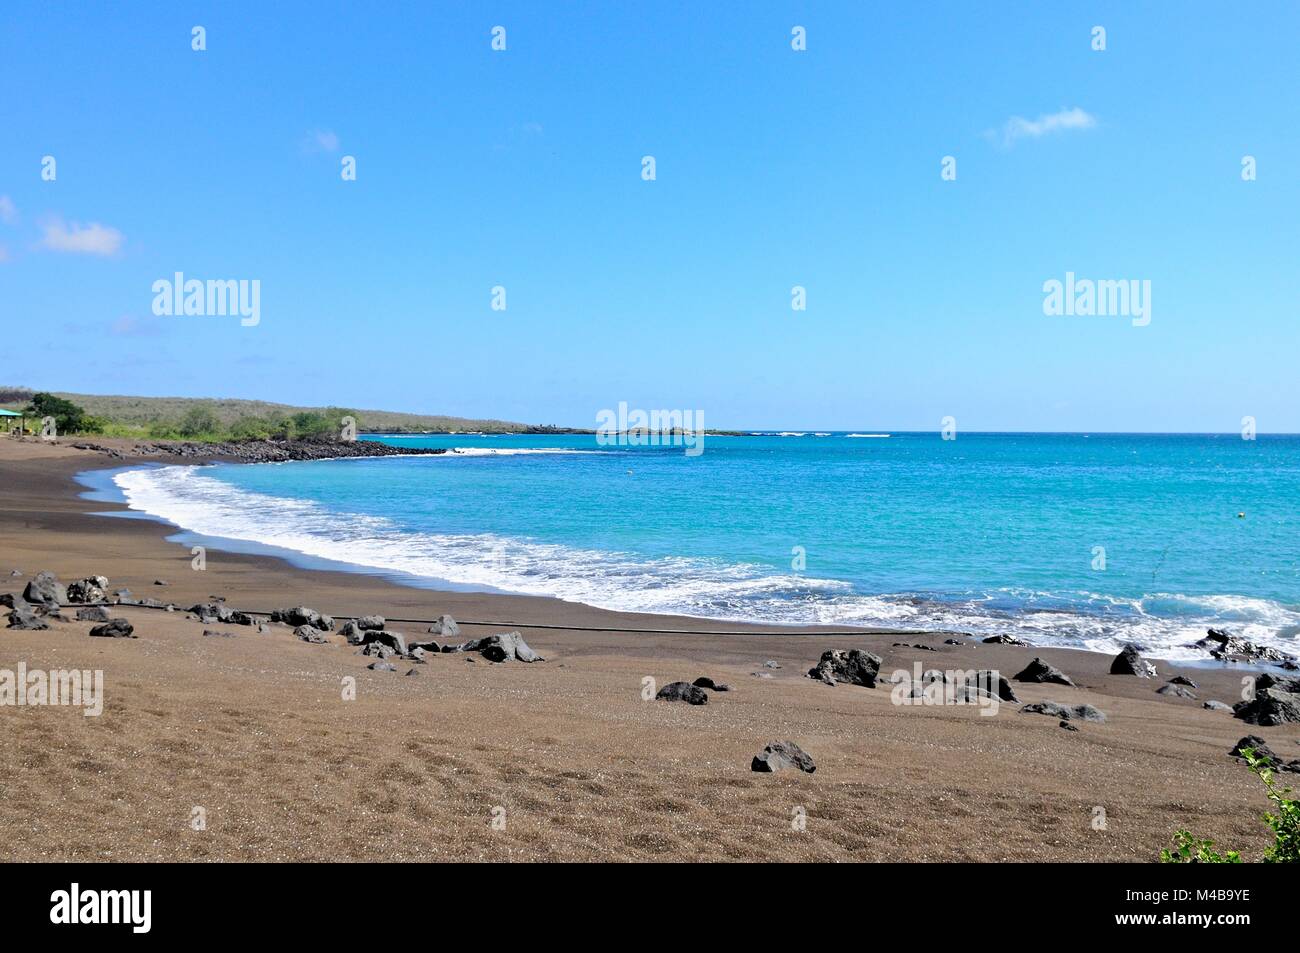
(1163, 624)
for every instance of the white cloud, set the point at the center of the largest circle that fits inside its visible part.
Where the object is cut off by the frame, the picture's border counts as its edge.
(1017, 127)
(8, 211)
(91, 239)
(323, 140)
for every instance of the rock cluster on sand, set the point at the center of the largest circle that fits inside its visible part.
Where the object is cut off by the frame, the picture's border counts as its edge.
(683, 692)
(88, 590)
(1064, 712)
(92, 614)
(45, 589)
(966, 686)
(1177, 689)
(853, 666)
(22, 616)
(218, 611)
(504, 647)
(394, 640)
(1276, 702)
(1261, 750)
(1040, 671)
(114, 629)
(309, 633)
(1131, 662)
(782, 754)
(301, 615)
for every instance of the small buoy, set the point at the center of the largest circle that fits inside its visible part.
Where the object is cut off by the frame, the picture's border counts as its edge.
(629, 472)
(1241, 516)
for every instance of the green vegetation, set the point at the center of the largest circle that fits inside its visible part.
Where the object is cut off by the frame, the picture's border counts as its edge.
(68, 417)
(1285, 848)
(201, 419)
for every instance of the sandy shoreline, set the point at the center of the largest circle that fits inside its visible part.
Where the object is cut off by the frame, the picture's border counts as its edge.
(253, 730)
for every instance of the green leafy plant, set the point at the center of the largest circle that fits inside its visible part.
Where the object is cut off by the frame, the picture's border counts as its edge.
(1285, 848)
(68, 417)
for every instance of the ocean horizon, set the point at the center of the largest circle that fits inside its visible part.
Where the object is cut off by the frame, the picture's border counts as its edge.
(1088, 541)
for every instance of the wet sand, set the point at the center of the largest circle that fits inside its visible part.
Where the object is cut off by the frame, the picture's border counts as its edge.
(253, 730)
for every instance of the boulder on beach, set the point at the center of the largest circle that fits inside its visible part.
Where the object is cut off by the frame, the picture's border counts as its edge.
(502, 647)
(1182, 680)
(1064, 712)
(309, 633)
(394, 640)
(1130, 662)
(45, 589)
(301, 615)
(1270, 706)
(90, 589)
(1041, 672)
(432, 647)
(1216, 706)
(683, 692)
(446, 627)
(705, 682)
(206, 612)
(25, 619)
(368, 622)
(853, 666)
(1177, 690)
(379, 649)
(1002, 640)
(382, 666)
(92, 614)
(1260, 749)
(114, 629)
(782, 754)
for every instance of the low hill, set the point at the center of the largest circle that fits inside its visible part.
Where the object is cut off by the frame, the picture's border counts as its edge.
(144, 412)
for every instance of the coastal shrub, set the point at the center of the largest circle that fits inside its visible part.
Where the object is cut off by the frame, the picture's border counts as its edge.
(252, 428)
(1285, 824)
(68, 417)
(199, 421)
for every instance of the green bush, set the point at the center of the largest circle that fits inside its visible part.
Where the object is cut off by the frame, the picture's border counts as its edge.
(1285, 848)
(199, 421)
(68, 417)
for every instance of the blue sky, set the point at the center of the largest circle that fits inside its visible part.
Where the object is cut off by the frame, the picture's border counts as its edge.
(775, 168)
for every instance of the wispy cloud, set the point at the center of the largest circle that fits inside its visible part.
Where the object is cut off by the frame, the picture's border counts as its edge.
(78, 239)
(1018, 127)
(128, 325)
(322, 140)
(8, 211)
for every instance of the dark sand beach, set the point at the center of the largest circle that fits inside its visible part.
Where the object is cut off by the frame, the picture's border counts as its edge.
(253, 729)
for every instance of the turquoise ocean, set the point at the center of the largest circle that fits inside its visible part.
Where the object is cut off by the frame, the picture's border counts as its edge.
(1077, 540)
